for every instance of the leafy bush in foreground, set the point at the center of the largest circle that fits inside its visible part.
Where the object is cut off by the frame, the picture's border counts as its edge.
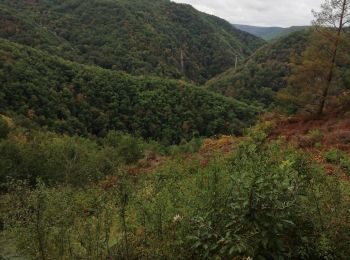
(262, 201)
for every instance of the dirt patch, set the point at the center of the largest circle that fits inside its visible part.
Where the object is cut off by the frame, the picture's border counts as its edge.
(317, 135)
(333, 130)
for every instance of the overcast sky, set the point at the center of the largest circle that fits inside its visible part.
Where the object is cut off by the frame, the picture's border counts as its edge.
(259, 12)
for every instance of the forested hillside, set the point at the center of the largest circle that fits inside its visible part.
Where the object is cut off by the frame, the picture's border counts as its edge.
(264, 73)
(155, 37)
(112, 148)
(71, 98)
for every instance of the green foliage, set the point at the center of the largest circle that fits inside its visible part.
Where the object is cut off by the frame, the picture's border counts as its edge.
(319, 72)
(316, 137)
(66, 223)
(263, 201)
(345, 164)
(126, 146)
(257, 212)
(272, 207)
(263, 74)
(66, 167)
(136, 36)
(60, 159)
(75, 99)
(334, 156)
(185, 147)
(340, 158)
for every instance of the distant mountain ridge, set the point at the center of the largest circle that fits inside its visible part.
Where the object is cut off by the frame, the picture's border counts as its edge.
(264, 73)
(157, 37)
(269, 33)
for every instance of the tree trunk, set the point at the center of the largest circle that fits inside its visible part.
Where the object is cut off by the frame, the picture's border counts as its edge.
(39, 232)
(334, 55)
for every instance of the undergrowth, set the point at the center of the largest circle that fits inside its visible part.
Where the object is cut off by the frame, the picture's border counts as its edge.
(263, 201)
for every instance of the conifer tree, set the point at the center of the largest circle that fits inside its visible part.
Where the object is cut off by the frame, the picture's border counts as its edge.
(320, 67)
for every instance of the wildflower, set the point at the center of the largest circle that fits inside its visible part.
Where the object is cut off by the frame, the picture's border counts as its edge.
(177, 218)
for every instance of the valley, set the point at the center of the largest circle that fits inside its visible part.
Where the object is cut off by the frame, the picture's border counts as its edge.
(133, 129)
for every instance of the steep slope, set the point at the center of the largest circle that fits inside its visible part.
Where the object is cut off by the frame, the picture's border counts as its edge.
(269, 33)
(156, 37)
(262, 74)
(78, 99)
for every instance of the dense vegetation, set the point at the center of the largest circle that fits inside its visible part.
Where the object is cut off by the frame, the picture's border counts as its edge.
(269, 33)
(98, 163)
(263, 74)
(262, 200)
(319, 78)
(138, 37)
(71, 98)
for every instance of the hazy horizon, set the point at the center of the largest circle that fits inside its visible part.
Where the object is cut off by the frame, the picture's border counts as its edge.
(265, 13)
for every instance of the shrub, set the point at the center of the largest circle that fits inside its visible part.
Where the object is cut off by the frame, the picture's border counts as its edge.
(130, 149)
(62, 222)
(334, 156)
(345, 164)
(316, 136)
(264, 201)
(340, 158)
(274, 205)
(254, 221)
(56, 159)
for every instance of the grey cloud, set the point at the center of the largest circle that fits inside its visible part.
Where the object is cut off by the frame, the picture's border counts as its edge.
(259, 12)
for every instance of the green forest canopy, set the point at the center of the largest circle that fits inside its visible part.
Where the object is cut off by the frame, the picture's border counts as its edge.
(71, 98)
(138, 37)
